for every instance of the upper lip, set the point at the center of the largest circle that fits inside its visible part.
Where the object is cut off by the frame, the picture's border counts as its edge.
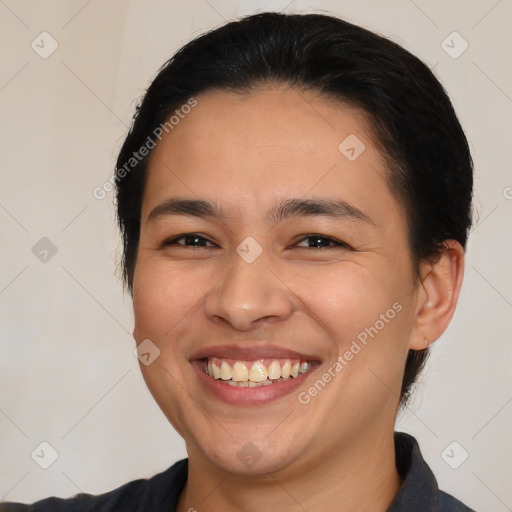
(251, 352)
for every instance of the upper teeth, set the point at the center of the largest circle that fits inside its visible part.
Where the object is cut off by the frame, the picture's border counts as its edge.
(257, 371)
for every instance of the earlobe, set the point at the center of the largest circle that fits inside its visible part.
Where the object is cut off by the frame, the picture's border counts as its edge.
(439, 290)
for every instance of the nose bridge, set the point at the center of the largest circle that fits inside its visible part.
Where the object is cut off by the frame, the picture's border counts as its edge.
(249, 291)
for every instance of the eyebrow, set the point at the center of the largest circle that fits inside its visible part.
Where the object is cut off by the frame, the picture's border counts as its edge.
(336, 209)
(289, 208)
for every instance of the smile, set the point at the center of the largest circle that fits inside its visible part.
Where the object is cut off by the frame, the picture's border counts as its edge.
(262, 372)
(252, 374)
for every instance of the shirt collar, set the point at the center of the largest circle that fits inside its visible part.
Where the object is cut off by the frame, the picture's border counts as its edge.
(419, 490)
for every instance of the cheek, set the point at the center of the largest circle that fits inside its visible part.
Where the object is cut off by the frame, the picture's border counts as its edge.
(347, 299)
(164, 294)
(365, 313)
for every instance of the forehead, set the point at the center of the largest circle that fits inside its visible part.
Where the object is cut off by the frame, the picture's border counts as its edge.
(244, 149)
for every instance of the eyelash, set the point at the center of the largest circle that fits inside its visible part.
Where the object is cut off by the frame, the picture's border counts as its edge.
(337, 243)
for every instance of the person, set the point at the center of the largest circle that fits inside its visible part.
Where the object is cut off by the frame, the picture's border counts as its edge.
(294, 198)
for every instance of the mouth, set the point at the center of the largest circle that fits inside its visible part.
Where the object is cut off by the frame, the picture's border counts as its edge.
(258, 375)
(251, 374)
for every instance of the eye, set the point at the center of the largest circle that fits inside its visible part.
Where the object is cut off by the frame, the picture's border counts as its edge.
(320, 242)
(189, 240)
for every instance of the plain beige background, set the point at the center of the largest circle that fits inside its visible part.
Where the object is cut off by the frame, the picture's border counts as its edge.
(67, 372)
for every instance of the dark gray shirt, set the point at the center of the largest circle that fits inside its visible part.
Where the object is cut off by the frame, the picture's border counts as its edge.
(419, 491)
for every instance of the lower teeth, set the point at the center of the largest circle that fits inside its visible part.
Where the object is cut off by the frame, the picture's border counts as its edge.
(250, 384)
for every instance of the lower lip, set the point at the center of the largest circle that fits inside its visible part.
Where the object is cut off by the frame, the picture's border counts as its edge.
(249, 396)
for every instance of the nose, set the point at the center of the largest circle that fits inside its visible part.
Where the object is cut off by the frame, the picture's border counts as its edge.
(248, 295)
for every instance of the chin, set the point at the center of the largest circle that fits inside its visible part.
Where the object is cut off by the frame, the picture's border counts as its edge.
(255, 459)
(250, 452)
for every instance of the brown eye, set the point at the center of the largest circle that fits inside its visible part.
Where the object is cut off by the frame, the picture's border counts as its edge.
(189, 240)
(320, 242)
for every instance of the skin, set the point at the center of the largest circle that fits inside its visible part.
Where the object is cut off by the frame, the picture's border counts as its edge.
(247, 152)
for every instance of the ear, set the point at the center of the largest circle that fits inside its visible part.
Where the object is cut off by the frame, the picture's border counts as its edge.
(438, 294)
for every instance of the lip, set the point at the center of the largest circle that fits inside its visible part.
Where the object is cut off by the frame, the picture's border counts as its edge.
(251, 353)
(256, 395)
(249, 396)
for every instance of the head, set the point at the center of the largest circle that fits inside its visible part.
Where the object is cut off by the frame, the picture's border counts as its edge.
(255, 130)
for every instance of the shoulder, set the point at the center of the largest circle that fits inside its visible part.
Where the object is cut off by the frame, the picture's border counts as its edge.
(447, 503)
(161, 492)
(419, 490)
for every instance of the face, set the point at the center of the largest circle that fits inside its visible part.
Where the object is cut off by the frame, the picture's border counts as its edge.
(274, 275)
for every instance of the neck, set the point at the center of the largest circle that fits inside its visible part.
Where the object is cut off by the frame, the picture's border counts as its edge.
(360, 477)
